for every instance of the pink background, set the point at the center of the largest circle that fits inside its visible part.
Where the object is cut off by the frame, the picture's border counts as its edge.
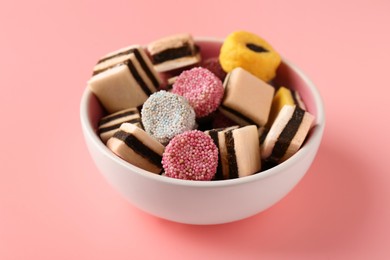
(54, 204)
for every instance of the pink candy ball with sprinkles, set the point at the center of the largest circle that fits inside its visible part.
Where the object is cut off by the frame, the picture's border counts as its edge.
(203, 90)
(191, 155)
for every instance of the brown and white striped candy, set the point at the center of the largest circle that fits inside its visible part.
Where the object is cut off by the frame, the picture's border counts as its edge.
(124, 81)
(173, 52)
(286, 134)
(218, 137)
(135, 146)
(239, 151)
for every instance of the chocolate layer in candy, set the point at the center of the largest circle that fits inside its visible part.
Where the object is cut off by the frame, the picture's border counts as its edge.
(125, 85)
(287, 134)
(135, 146)
(247, 99)
(173, 52)
(108, 125)
(239, 151)
(214, 136)
(231, 155)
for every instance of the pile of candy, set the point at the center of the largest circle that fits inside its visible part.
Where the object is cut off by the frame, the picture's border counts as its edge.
(171, 112)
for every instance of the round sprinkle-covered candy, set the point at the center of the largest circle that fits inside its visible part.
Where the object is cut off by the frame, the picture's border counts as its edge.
(191, 155)
(250, 52)
(203, 90)
(165, 115)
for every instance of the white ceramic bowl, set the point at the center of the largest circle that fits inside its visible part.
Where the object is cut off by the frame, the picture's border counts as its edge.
(213, 202)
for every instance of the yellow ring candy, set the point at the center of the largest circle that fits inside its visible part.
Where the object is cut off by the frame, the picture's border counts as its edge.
(250, 52)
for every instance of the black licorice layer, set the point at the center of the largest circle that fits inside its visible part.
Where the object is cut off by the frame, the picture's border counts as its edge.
(137, 146)
(231, 155)
(287, 135)
(138, 78)
(146, 68)
(214, 136)
(172, 54)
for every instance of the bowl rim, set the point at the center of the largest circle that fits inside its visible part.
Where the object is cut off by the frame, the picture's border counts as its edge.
(316, 133)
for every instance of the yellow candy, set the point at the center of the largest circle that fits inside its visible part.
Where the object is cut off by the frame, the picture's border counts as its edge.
(282, 97)
(250, 52)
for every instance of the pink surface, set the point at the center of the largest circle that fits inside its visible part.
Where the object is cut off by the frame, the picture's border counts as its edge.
(54, 204)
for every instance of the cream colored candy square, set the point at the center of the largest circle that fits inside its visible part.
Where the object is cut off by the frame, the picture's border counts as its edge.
(117, 89)
(247, 99)
(246, 151)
